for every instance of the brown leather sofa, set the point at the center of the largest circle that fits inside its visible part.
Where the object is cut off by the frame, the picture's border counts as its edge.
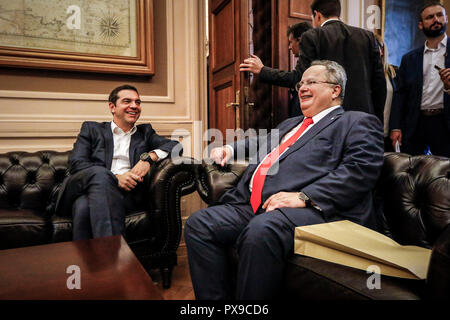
(29, 184)
(413, 200)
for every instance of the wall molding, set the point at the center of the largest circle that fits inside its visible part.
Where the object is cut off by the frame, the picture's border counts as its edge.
(34, 121)
(169, 98)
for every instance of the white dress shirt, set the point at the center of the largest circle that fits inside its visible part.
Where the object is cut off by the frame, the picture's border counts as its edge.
(121, 155)
(433, 87)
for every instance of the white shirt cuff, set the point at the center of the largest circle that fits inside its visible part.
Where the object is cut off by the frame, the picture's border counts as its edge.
(231, 149)
(160, 153)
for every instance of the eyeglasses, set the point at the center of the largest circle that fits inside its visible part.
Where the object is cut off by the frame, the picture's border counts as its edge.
(309, 83)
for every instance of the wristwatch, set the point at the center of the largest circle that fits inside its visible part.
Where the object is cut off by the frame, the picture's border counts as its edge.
(146, 157)
(305, 198)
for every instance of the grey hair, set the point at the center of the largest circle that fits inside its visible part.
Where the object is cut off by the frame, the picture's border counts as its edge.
(335, 74)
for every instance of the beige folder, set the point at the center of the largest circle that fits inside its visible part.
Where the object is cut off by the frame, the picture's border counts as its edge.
(350, 244)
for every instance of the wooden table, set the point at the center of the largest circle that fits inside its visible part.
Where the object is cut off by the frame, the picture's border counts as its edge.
(108, 270)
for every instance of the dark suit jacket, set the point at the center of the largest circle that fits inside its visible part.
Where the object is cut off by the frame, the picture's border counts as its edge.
(95, 146)
(336, 163)
(356, 50)
(405, 111)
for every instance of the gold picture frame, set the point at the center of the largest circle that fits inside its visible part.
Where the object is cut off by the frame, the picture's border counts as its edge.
(139, 58)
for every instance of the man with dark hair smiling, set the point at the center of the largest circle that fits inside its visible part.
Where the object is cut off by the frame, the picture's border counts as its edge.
(107, 167)
(420, 114)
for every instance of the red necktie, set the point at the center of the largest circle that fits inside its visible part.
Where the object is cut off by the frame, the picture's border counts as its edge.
(260, 174)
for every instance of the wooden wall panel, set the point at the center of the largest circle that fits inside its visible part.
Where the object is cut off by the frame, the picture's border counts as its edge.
(41, 118)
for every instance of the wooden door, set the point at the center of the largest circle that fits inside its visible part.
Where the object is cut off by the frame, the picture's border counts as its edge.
(233, 103)
(238, 28)
(289, 12)
(226, 39)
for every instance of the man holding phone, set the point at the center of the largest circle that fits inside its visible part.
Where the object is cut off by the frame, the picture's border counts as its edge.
(420, 115)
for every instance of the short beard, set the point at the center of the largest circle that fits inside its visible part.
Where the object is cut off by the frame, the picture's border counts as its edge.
(430, 33)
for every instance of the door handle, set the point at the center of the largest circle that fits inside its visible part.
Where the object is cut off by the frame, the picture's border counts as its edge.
(236, 106)
(232, 104)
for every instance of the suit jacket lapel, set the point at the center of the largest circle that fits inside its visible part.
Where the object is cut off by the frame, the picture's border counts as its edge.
(135, 139)
(268, 147)
(311, 133)
(109, 145)
(419, 71)
(447, 65)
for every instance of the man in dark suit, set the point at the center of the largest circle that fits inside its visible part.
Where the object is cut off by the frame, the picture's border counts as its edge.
(276, 76)
(354, 48)
(420, 114)
(108, 165)
(319, 168)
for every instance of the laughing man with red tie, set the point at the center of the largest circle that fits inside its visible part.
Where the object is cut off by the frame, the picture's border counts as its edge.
(322, 169)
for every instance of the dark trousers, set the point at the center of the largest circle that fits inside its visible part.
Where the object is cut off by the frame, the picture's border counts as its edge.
(431, 131)
(97, 204)
(263, 242)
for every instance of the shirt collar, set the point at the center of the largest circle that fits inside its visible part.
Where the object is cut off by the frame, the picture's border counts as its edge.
(323, 113)
(332, 19)
(116, 130)
(442, 43)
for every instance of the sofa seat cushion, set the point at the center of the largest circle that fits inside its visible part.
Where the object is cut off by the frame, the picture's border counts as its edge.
(310, 278)
(22, 228)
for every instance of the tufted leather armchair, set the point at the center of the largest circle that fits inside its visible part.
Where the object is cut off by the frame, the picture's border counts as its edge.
(29, 184)
(413, 200)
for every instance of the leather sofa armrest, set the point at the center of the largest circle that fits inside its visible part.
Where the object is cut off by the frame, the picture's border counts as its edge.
(169, 181)
(213, 180)
(438, 278)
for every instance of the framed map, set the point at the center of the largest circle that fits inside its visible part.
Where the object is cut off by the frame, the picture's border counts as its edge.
(113, 36)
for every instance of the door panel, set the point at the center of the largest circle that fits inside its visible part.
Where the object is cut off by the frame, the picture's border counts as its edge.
(300, 9)
(223, 94)
(223, 50)
(258, 105)
(239, 28)
(225, 55)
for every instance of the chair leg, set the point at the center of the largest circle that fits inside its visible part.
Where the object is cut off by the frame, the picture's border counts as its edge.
(166, 274)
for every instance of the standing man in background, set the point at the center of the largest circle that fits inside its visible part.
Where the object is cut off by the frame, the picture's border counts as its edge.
(420, 115)
(279, 77)
(354, 48)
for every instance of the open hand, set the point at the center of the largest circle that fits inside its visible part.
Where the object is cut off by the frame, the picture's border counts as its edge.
(252, 64)
(396, 136)
(220, 155)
